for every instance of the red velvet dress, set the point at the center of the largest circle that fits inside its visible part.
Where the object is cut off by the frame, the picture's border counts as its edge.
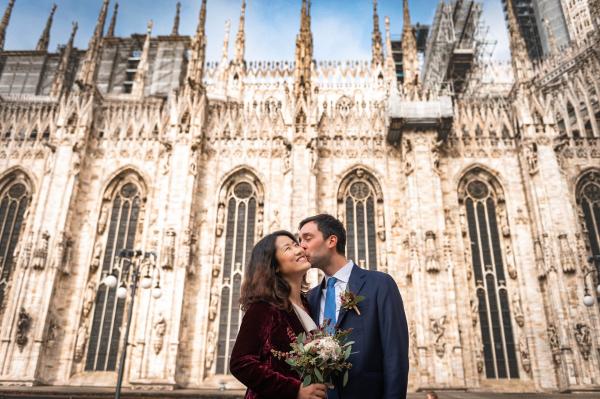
(264, 327)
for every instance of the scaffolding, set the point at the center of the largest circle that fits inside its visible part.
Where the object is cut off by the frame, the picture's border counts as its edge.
(455, 44)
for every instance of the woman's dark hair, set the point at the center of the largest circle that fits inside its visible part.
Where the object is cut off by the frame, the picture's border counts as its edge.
(261, 280)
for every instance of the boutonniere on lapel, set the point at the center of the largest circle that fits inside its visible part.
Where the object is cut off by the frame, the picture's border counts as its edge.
(350, 301)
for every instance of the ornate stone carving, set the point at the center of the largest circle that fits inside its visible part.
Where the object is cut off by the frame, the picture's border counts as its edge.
(438, 328)
(63, 253)
(554, 344)
(567, 258)
(540, 264)
(213, 305)
(409, 162)
(88, 299)
(583, 336)
(518, 310)
(103, 219)
(474, 311)
(169, 250)
(160, 328)
(510, 263)
(531, 156)
(80, 343)
(525, 356)
(40, 254)
(380, 223)
(478, 353)
(503, 221)
(582, 251)
(96, 256)
(187, 251)
(432, 264)
(211, 343)
(260, 221)
(217, 260)
(414, 350)
(23, 326)
(220, 220)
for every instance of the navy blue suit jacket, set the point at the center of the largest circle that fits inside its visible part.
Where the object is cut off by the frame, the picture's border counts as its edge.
(380, 335)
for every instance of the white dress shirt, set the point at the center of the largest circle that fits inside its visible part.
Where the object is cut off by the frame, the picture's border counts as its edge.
(342, 276)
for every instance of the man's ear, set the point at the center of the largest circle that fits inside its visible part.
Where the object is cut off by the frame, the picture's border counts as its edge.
(332, 241)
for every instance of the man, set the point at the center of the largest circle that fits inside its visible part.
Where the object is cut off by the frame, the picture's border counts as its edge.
(380, 332)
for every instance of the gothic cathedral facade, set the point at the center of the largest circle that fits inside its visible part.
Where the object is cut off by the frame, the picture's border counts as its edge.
(483, 205)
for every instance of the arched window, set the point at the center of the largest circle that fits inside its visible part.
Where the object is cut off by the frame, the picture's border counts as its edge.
(123, 213)
(588, 198)
(15, 197)
(480, 197)
(240, 207)
(360, 205)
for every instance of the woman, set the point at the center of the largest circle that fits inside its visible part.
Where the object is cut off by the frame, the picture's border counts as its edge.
(273, 304)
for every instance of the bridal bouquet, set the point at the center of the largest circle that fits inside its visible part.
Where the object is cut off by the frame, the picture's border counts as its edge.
(318, 356)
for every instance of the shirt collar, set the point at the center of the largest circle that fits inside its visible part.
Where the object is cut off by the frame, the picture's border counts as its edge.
(343, 274)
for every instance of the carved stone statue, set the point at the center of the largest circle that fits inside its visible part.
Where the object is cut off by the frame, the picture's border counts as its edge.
(213, 305)
(160, 328)
(583, 336)
(503, 219)
(525, 357)
(539, 259)
(510, 262)
(431, 259)
(567, 257)
(380, 224)
(169, 250)
(554, 344)
(88, 299)
(103, 219)
(518, 310)
(96, 257)
(80, 343)
(210, 348)
(438, 329)
(40, 254)
(23, 327)
(220, 220)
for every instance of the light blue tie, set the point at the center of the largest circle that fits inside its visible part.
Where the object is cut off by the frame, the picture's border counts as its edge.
(329, 312)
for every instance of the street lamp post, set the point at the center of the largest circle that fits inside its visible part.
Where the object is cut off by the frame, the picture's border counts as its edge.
(588, 299)
(137, 261)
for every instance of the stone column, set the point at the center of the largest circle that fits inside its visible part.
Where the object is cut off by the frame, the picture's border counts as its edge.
(27, 315)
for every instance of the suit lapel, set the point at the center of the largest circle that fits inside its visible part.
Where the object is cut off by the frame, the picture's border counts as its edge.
(355, 285)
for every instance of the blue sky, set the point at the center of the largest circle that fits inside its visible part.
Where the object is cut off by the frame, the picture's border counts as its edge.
(341, 28)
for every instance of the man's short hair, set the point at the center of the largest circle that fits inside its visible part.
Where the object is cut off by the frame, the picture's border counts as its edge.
(329, 226)
(432, 395)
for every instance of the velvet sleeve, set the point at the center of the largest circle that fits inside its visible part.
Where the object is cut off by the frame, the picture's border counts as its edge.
(246, 363)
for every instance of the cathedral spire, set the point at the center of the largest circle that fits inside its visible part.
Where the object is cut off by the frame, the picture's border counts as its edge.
(4, 22)
(142, 69)
(90, 63)
(389, 56)
(225, 53)
(175, 31)
(113, 22)
(45, 38)
(240, 40)
(195, 70)
(522, 67)
(377, 45)
(304, 54)
(61, 73)
(410, 63)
